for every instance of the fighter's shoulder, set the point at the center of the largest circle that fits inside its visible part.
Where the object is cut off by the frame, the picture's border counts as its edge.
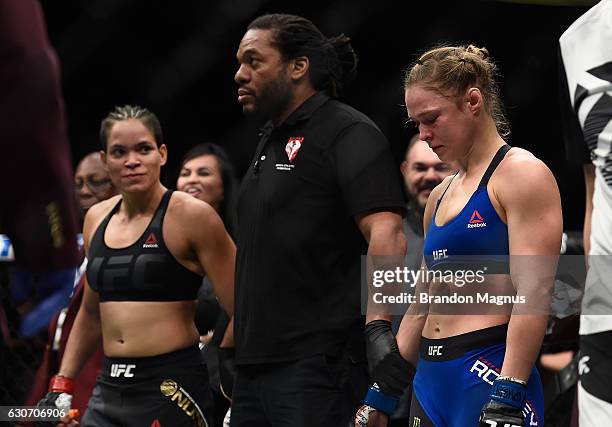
(188, 210)
(521, 166)
(436, 193)
(521, 175)
(96, 214)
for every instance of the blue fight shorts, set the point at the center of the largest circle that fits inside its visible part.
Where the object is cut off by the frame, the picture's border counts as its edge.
(454, 378)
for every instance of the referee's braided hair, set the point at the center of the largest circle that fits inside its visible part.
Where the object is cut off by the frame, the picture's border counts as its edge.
(127, 112)
(451, 70)
(333, 62)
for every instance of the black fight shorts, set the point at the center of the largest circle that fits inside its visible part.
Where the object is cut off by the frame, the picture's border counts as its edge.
(169, 390)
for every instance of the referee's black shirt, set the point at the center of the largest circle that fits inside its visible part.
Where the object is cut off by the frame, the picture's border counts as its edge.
(299, 247)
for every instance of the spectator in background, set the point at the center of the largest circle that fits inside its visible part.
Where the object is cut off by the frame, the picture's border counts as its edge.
(586, 83)
(91, 185)
(208, 174)
(91, 182)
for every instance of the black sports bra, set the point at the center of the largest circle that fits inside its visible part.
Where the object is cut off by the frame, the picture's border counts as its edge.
(143, 271)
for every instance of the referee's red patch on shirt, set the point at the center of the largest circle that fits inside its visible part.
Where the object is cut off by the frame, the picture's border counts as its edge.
(293, 146)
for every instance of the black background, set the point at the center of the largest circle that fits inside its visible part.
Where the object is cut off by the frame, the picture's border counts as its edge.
(177, 58)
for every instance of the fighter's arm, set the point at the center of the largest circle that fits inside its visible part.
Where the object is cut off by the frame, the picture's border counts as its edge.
(86, 333)
(213, 248)
(409, 333)
(411, 328)
(528, 192)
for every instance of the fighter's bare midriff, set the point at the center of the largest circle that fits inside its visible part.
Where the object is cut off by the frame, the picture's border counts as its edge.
(144, 328)
(447, 320)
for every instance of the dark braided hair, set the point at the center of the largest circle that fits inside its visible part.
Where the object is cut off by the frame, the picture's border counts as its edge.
(127, 112)
(333, 62)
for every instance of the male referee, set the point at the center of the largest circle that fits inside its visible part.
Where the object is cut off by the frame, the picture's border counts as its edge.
(322, 190)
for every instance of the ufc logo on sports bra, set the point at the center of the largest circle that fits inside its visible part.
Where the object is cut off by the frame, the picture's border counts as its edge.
(435, 350)
(117, 270)
(122, 370)
(439, 254)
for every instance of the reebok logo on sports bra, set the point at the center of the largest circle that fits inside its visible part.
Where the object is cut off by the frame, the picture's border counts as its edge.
(151, 242)
(476, 220)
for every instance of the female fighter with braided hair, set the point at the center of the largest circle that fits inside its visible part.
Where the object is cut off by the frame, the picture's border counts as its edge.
(148, 249)
(500, 214)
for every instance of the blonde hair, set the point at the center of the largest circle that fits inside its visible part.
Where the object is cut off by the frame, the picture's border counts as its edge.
(451, 70)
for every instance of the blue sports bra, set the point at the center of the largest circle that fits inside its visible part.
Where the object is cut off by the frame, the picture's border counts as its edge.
(476, 239)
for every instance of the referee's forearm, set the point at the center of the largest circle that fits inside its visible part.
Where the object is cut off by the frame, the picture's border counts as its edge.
(387, 246)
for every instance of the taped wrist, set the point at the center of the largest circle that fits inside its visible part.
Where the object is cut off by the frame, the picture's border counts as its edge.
(380, 401)
(389, 370)
(61, 384)
(509, 391)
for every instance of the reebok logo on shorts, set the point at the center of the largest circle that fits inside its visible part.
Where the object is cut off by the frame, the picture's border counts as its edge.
(122, 370)
(476, 220)
(151, 242)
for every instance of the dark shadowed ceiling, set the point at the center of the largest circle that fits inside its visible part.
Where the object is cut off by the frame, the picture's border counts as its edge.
(178, 59)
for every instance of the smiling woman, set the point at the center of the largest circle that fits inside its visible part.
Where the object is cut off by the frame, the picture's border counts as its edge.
(148, 250)
(208, 174)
